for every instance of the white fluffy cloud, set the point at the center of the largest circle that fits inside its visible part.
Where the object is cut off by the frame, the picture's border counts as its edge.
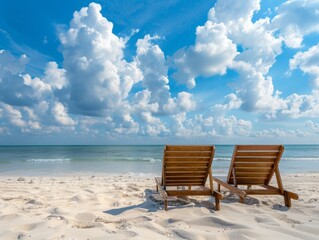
(297, 106)
(209, 126)
(312, 126)
(55, 76)
(308, 62)
(231, 102)
(296, 19)
(11, 64)
(12, 115)
(151, 60)
(212, 53)
(100, 79)
(156, 99)
(230, 25)
(60, 115)
(26, 103)
(257, 39)
(13, 89)
(274, 133)
(234, 12)
(255, 91)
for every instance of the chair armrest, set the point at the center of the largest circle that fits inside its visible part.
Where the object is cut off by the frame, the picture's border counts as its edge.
(160, 187)
(292, 195)
(218, 195)
(231, 188)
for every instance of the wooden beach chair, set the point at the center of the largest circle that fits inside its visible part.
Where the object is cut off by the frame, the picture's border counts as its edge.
(254, 165)
(185, 171)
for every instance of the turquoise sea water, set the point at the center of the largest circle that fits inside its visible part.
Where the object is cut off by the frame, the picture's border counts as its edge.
(67, 160)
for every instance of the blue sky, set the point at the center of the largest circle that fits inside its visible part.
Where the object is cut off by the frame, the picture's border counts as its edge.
(157, 72)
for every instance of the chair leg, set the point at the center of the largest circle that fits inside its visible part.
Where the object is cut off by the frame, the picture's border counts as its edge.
(217, 204)
(165, 204)
(218, 196)
(241, 200)
(218, 187)
(287, 199)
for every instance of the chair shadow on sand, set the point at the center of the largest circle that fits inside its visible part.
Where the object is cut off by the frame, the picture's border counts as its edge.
(148, 204)
(232, 198)
(153, 202)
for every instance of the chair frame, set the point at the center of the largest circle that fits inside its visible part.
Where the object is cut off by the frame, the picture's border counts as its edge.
(255, 165)
(187, 166)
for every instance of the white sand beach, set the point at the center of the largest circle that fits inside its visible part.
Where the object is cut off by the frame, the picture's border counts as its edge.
(127, 207)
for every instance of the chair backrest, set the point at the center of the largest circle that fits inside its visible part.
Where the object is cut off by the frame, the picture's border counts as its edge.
(254, 164)
(186, 165)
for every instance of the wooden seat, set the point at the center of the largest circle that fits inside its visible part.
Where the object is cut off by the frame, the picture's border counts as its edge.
(185, 171)
(254, 165)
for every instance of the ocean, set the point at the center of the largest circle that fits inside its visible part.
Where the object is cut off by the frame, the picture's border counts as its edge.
(141, 159)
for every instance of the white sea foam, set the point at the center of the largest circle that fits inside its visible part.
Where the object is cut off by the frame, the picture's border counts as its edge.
(300, 158)
(145, 159)
(284, 159)
(151, 159)
(49, 160)
(222, 158)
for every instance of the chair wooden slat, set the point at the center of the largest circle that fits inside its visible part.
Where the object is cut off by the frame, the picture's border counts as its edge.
(187, 159)
(256, 154)
(181, 178)
(253, 169)
(190, 193)
(250, 181)
(254, 164)
(206, 154)
(259, 147)
(193, 183)
(255, 159)
(183, 174)
(187, 164)
(189, 148)
(252, 174)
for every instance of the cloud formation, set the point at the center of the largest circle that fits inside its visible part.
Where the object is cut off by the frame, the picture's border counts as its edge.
(256, 39)
(99, 77)
(212, 53)
(254, 90)
(97, 90)
(308, 62)
(295, 20)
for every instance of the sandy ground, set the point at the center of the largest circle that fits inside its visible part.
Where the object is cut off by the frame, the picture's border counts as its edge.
(128, 207)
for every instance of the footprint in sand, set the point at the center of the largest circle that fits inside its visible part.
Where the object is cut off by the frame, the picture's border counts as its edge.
(56, 217)
(30, 226)
(83, 197)
(89, 191)
(86, 216)
(9, 217)
(21, 236)
(132, 188)
(85, 220)
(34, 202)
(312, 200)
